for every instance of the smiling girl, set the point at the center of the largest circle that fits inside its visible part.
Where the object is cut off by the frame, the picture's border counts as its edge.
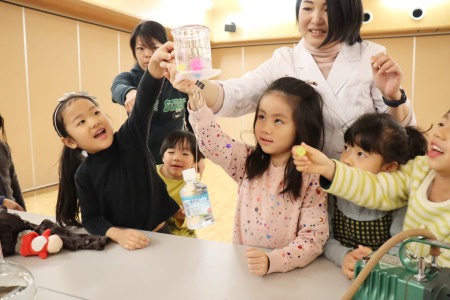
(422, 184)
(116, 187)
(278, 208)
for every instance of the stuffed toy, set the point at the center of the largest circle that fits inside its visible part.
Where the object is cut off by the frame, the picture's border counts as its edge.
(41, 245)
(18, 236)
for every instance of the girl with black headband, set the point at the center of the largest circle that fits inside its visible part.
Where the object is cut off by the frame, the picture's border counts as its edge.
(116, 187)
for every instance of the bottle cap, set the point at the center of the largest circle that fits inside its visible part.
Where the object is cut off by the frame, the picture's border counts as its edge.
(189, 174)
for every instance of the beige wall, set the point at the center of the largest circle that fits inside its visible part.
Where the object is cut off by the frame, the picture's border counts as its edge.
(43, 56)
(431, 79)
(14, 91)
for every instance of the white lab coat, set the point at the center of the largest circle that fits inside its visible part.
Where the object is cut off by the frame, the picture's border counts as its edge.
(348, 92)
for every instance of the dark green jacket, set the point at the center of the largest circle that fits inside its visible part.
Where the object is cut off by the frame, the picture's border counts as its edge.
(170, 109)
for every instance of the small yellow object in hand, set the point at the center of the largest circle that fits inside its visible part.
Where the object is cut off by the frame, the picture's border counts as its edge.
(301, 151)
(181, 67)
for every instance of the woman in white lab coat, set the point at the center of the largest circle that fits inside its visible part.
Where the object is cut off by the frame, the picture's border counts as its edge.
(353, 76)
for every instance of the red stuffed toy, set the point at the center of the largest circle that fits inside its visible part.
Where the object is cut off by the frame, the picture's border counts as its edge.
(35, 244)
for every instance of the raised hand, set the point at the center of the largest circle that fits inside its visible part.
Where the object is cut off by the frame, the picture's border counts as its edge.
(313, 161)
(161, 60)
(179, 217)
(130, 99)
(185, 86)
(387, 75)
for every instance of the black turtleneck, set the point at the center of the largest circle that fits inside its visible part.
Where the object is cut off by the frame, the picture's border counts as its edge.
(119, 186)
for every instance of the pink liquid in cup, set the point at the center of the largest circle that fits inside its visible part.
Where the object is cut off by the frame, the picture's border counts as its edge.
(196, 64)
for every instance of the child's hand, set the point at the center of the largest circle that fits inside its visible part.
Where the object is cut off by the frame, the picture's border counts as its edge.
(258, 262)
(313, 161)
(12, 204)
(160, 60)
(350, 259)
(201, 167)
(130, 99)
(172, 71)
(129, 239)
(179, 217)
(185, 86)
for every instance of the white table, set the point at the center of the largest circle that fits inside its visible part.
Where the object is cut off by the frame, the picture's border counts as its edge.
(173, 267)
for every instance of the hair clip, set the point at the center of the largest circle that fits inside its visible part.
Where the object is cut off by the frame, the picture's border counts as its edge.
(312, 83)
(200, 84)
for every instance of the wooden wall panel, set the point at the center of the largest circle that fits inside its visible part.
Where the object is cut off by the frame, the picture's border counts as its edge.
(256, 55)
(230, 61)
(53, 70)
(126, 62)
(126, 59)
(13, 87)
(99, 65)
(431, 82)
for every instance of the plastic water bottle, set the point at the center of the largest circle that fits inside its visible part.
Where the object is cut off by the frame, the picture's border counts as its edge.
(194, 196)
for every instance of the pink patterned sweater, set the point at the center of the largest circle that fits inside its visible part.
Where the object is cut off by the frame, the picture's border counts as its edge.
(296, 229)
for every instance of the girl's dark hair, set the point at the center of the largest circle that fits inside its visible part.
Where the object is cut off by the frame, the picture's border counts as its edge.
(3, 130)
(345, 19)
(67, 204)
(380, 133)
(183, 138)
(306, 105)
(146, 31)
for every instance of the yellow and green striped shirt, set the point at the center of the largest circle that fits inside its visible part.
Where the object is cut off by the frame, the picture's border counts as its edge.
(390, 190)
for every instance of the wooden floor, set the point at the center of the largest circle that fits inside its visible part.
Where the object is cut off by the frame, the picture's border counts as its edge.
(221, 188)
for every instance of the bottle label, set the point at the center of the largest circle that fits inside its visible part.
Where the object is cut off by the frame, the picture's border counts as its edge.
(196, 205)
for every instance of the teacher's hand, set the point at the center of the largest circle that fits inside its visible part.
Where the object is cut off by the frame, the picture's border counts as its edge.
(387, 75)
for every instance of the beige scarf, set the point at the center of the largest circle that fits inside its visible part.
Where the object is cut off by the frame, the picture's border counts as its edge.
(324, 56)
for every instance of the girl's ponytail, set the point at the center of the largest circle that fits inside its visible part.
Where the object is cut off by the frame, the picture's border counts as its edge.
(67, 205)
(417, 142)
(2, 129)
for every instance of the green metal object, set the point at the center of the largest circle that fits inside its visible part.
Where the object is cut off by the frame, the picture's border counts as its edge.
(394, 277)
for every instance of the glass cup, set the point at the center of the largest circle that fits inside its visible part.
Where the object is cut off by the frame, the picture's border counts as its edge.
(16, 282)
(193, 52)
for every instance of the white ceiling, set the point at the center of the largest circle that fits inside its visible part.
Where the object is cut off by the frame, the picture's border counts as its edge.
(170, 13)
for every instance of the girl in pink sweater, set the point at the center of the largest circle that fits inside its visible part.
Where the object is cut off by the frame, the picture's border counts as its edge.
(278, 208)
